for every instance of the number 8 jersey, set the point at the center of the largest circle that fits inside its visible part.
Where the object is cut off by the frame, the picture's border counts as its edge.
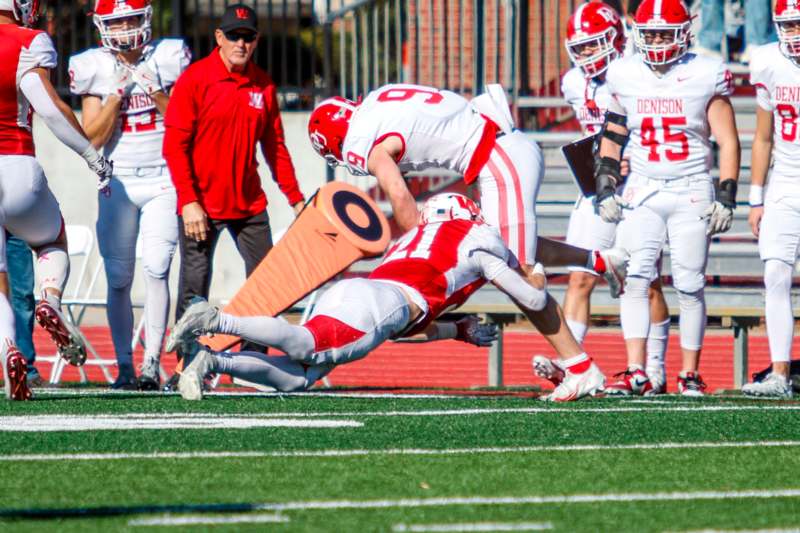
(777, 82)
(666, 115)
(139, 133)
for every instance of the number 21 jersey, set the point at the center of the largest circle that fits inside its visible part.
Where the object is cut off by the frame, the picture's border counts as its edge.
(666, 115)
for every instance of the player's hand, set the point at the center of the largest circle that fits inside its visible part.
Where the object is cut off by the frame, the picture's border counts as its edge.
(754, 219)
(146, 78)
(625, 167)
(297, 208)
(195, 221)
(100, 166)
(122, 80)
(719, 218)
(610, 208)
(470, 329)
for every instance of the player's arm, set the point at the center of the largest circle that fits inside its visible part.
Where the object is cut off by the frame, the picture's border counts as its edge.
(382, 164)
(610, 143)
(759, 165)
(722, 122)
(100, 119)
(35, 85)
(468, 329)
(497, 270)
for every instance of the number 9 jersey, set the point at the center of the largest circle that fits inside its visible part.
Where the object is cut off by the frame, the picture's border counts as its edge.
(139, 133)
(777, 82)
(666, 115)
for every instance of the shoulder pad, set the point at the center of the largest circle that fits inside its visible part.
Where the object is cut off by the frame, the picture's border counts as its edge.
(170, 57)
(84, 71)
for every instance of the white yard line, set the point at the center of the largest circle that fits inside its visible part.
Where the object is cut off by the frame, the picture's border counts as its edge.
(476, 526)
(790, 530)
(194, 520)
(394, 451)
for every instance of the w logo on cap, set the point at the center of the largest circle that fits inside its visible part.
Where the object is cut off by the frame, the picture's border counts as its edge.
(241, 13)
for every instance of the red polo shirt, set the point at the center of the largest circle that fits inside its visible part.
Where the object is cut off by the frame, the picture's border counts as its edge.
(213, 122)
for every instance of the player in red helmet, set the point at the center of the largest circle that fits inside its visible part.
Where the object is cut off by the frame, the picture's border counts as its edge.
(124, 87)
(667, 104)
(595, 37)
(775, 200)
(327, 127)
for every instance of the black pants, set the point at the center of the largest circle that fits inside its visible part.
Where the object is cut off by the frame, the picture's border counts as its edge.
(253, 240)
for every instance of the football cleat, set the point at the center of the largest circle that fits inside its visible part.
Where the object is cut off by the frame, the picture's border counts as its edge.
(548, 369)
(575, 386)
(66, 336)
(612, 264)
(149, 379)
(633, 382)
(658, 379)
(691, 384)
(125, 382)
(15, 369)
(773, 386)
(192, 381)
(199, 318)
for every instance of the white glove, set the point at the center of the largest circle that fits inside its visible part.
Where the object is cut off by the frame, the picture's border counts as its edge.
(470, 329)
(610, 208)
(145, 78)
(719, 218)
(122, 81)
(100, 166)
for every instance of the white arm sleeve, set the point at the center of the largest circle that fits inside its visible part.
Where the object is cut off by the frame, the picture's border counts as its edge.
(509, 281)
(34, 90)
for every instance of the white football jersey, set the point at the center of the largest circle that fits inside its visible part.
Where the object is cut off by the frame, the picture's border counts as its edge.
(579, 92)
(666, 115)
(438, 128)
(777, 82)
(138, 137)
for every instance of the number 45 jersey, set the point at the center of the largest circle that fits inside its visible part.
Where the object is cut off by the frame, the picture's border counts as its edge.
(666, 115)
(139, 133)
(777, 82)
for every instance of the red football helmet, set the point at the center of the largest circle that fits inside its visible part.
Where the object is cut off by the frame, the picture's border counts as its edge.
(596, 26)
(449, 206)
(328, 125)
(25, 11)
(120, 37)
(787, 24)
(665, 21)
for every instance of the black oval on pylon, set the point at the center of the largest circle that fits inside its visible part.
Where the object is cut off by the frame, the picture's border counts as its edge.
(373, 231)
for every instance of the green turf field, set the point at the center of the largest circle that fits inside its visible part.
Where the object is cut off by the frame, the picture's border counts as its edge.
(351, 464)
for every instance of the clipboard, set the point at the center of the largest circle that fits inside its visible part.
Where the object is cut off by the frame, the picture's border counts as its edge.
(580, 158)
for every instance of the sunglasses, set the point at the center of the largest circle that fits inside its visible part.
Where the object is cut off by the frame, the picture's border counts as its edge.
(246, 36)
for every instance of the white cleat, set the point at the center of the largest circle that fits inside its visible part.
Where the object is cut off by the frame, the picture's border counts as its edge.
(773, 386)
(658, 379)
(616, 269)
(190, 384)
(199, 318)
(548, 369)
(590, 382)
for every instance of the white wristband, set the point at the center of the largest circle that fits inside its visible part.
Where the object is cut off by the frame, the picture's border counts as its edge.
(756, 196)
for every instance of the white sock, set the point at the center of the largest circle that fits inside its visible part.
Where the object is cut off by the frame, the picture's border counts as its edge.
(692, 319)
(657, 346)
(634, 308)
(53, 268)
(156, 307)
(274, 332)
(280, 372)
(578, 330)
(120, 319)
(778, 309)
(7, 324)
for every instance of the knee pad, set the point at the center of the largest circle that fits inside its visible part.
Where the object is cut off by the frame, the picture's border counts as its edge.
(157, 268)
(119, 274)
(636, 287)
(777, 276)
(294, 384)
(691, 300)
(689, 282)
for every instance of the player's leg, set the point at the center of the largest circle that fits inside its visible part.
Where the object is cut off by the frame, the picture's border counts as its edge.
(688, 243)
(15, 370)
(159, 233)
(32, 214)
(778, 243)
(642, 232)
(658, 337)
(117, 231)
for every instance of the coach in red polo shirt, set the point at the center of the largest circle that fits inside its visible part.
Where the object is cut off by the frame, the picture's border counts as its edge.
(220, 108)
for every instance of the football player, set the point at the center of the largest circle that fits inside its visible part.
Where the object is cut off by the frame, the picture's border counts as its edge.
(124, 87)
(595, 37)
(28, 208)
(668, 102)
(775, 216)
(399, 128)
(433, 268)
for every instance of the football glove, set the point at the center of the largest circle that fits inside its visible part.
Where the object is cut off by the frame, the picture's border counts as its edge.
(100, 166)
(146, 78)
(720, 213)
(122, 81)
(607, 202)
(471, 330)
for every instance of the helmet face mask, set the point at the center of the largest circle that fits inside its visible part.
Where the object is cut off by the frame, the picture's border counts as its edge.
(327, 128)
(26, 12)
(787, 26)
(661, 31)
(449, 206)
(594, 37)
(124, 25)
